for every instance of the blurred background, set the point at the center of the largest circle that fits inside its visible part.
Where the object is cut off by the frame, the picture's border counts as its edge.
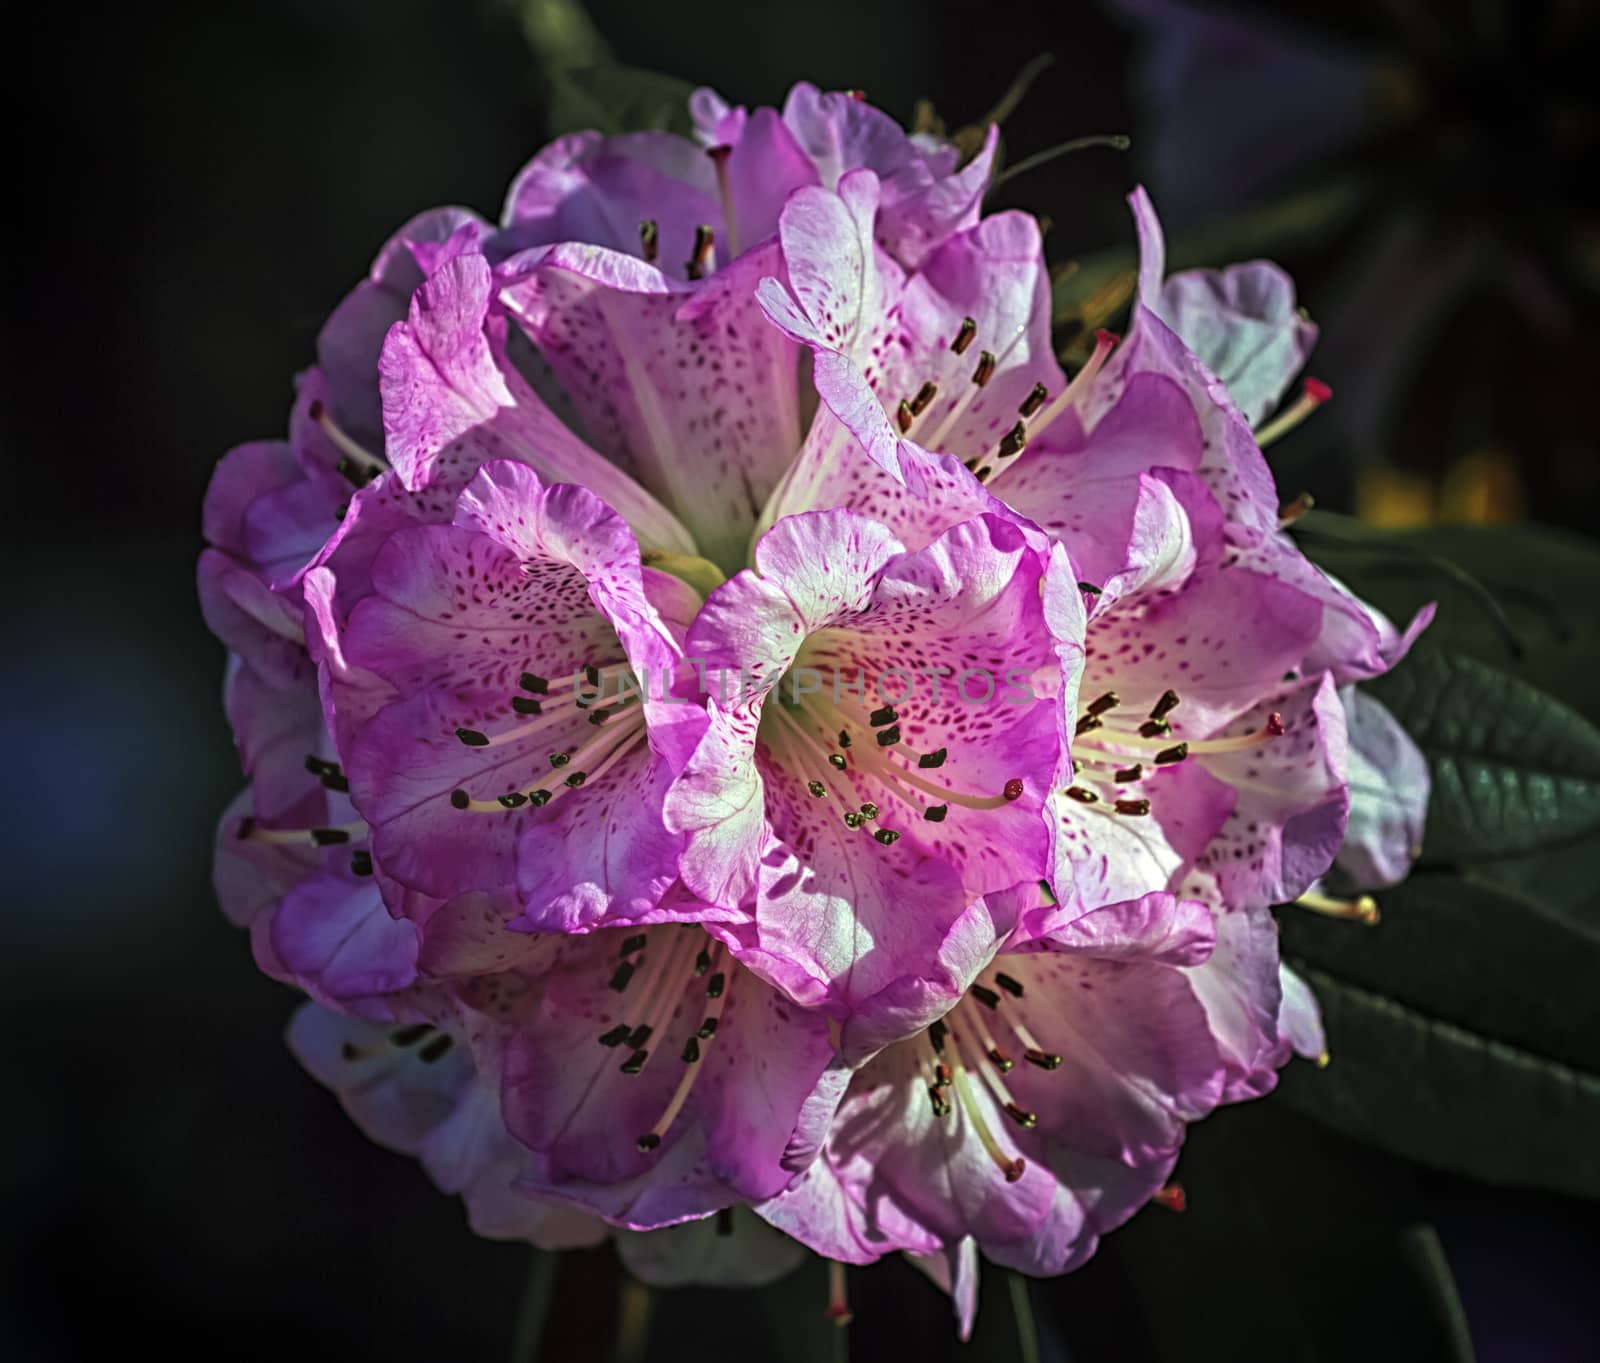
(197, 185)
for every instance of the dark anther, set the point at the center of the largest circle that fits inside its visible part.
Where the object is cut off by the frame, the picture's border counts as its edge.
(577, 779)
(649, 1141)
(903, 416)
(1001, 1061)
(1013, 788)
(601, 715)
(1101, 704)
(817, 788)
(1043, 1059)
(361, 863)
(887, 836)
(869, 810)
(725, 1221)
(1155, 728)
(941, 1075)
(335, 780)
(1132, 806)
(621, 975)
(616, 1036)
(881, 716)
(513, 800)
(1035, 400)
(1089, 587)
(982, 475)
(691, 1051)
(1166, 705)
(852, 819)
(702, 963)
(704, 238)
(1026, 1120)
(459, 799)
(715, 985)
(985, 370)
(935, 813)
(941, 1104)
(591, 674)
(1011, 986)
(539, 798)
(844, 738)
(632, 944)
(708, 1028)
(1013, 441)
(639, 1035)
(525, 705)
(328, 837)
(471, 738)
(537, 685)
(1087, 723)
(649, 238)
(887, 738)
(1082, 796)
(1176, 753)
(435, 1049)
(929, 760)
(634, 1063)
(937, 1032)
(560, 759)
(925, 395)
(984, 995)
(836, 761)
(969, 329)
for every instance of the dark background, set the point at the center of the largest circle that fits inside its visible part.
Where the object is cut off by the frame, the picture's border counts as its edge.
(194, 186)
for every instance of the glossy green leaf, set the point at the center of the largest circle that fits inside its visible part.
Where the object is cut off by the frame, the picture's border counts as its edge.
(1462, 1031)
(1522, 599)
(1513, 769)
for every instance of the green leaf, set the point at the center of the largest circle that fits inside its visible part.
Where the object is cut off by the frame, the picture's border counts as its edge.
(1462, 1031)
(1327, 1239)
(617, 99)
(1513, 768)
(1519, 598)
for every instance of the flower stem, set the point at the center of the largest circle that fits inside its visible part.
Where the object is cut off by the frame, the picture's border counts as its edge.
(1022, 1307)
(635, 1306)
(537, 1292)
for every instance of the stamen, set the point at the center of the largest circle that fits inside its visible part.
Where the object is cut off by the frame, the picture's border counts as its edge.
(1313, 396)
(605, 749)
(838, 1299)
(1127, 775)
(925, 395)
(719, 158)
(1362, 909)
(249, 831)
(964, 337)
(690, 1056)
(1082, 796)
(985, 370)
(1132, 807)
(1295, 510)
(1034, 401)
(1167, 756)
(1109, 701)
(361, 863)
(1011, 1167)
(357, 458)
(704, 250)
(1013, 442)
(1104, 341)
(1011, 986)
(935, 813)
(435, 1049)
(1172, 1197)
(649, 239)
(904, 416)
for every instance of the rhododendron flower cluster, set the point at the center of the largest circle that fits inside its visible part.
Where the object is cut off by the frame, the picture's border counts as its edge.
(742, 745)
